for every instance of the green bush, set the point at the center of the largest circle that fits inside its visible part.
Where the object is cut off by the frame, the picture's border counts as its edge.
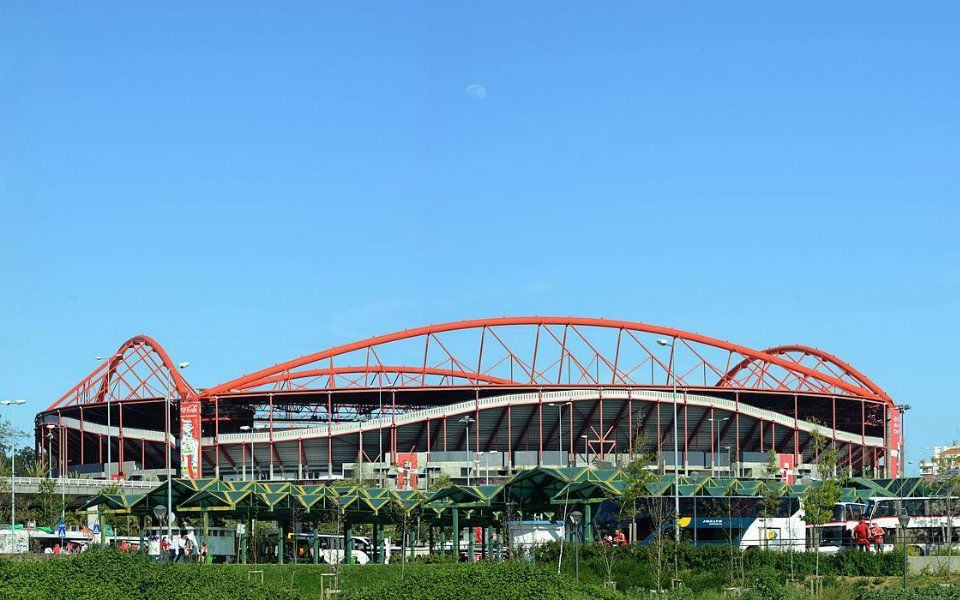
(925, 593)
(513, 580)
(714, 567)
(110, 575)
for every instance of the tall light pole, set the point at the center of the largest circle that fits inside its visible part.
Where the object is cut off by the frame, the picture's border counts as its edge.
(560, 405)
(586, 452)
(714, 456)
(50, 427)
(166, 404)
(676, 453)
(903, 408)
(10, 404)
(247, 428)
(109, 433)
(466, 422)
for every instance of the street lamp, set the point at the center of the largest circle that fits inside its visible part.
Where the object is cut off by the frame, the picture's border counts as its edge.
(60, 468)
(575, 517)
(466, 420)
(904, 519)
(676, 454)
(903, 408)
(586, 452)
(109, 432)
(714, 455)
(13, 454)
(560, 406)
(50, 428)
(166, 404)
(247, 428)
(486, 464)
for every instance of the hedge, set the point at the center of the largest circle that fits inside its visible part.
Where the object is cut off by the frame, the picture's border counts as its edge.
(924, 593)
(513, 580)
(106, 574)
(715, 567)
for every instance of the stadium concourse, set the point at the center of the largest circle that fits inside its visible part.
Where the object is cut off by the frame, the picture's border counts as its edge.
(551, 492)
(476, 399)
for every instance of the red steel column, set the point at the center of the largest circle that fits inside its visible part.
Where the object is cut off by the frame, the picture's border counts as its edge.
(833, 401)
(329, 437)
(540, 425)
(510, 436)
(82, 457)
(166, 440)
(216, 434)
(270, 443)
(736, 399)
(120, 448)
(476, 418)
(601, 432)
(796, 434)
(686, 453)
(863, 437)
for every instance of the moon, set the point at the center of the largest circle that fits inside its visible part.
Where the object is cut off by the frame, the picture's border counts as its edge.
(475, 91)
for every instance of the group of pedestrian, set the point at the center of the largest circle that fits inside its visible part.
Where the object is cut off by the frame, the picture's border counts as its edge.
(68, 548)
(867, 535)
(618, 539)
(183, 549)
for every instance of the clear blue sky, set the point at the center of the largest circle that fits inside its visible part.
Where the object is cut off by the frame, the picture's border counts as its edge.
(248, 184)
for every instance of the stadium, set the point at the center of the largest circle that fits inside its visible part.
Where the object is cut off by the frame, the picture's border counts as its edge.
(477, 398)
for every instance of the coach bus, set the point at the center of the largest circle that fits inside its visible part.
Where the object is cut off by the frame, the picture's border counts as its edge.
(738, 520)
(933, 521)
(715, 520)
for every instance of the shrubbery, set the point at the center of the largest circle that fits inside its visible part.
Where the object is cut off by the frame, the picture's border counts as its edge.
(106, 574)
(924, 593)
(716, 567)
(514, 580)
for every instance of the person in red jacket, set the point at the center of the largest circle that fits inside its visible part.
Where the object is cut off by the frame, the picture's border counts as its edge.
(619, 539)
(876, 536)
(861, 533)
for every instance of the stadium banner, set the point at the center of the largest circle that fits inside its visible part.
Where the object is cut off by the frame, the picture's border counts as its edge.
(406, 464)
(787, 471)
(190, 438)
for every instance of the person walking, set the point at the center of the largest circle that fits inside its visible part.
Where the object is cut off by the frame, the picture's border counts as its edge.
(861, 533)
(876, 535)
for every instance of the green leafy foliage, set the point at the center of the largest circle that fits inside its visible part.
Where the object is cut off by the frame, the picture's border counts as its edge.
(513, 580)
(924, 593)
(708, 567)
(109, 575)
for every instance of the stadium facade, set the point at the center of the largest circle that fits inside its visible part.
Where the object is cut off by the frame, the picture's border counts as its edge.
(480, 397)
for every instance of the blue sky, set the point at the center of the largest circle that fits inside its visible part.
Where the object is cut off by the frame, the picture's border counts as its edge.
(248, 184)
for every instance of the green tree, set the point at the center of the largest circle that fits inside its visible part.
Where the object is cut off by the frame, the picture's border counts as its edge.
(770, 495)
(820, 497)
(441, 481)
(947, 479)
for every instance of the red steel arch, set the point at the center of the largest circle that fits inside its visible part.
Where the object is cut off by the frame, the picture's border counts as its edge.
(798, 353)
(772, 369)
(410, 372)
(140, 366)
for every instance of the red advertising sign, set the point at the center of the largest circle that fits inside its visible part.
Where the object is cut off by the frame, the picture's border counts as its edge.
(406, 464)
(787, 472)
(190, 439)
(894, 441)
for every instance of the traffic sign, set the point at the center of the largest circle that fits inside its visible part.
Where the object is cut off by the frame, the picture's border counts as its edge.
(62, 528)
